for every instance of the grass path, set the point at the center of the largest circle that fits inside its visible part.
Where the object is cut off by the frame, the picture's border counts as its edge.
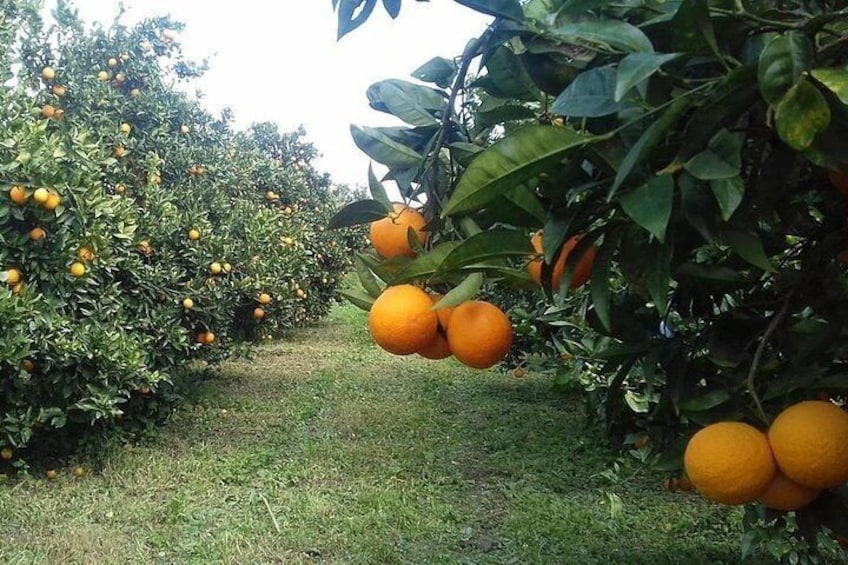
(323, 449)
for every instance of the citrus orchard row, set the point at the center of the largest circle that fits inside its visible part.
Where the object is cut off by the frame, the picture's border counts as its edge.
(141, 233)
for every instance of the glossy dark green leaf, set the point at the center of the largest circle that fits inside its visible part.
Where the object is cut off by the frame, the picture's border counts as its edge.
(728, 193)
(405, 102)
(366, 277)
(437, 70)
(698, 206)
(708, 272)
(425, 265)
(392, 7)
(509, 9)
(494, 111)
(637, 67)
(360, 212)
(358, 299)
(512, 161)
(463, 152)
(590, 95)
(604, 35)
(507, 78)
(524, 198)
(383, 149)
(488, 246)
(658, 275)
(722, 159)
(352, 14)
(646, 143)
(782, 63)
(464, 291)
(836, 80)
(748, 246)
(600, 282)
(801, 115)
(378, 191)
(706, 401)
(650, 204)
(692, 29)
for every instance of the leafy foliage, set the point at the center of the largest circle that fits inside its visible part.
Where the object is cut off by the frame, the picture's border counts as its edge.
(692, 142)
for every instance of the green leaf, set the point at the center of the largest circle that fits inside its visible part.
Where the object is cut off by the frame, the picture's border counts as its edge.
(721, 160)
(836, 80)
(348, 17)
(466, 290)
(413, 103)
(708, 272)
(801, 115)
(637, 67)
(464, 152)
(749, 247)
(486, 246)
(646, 143)
(728, 193)
(706, 401)
(358, 299)
(359, 212)
(782, 63)
(604, 35)
(495, 111)
(650, 204)
(366, 277)
(437, 70)
(590, 95)
(526, 200)
(507, 77)
(509, 9)
(378, 191)
(658, 275)
(601, 271)
(692, 29)
(425, 265)
(405, 107)
(512, 161)
(383, 149)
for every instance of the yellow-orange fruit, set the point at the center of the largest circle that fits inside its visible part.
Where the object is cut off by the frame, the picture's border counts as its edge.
(582, 270)
(18, 195)
(810, 443)
(438, 348)
(401, 321)
(52, 202)
(265, 298)
(444, 314)
(389, 236)
(258, 313)
(479, 334)
(730, 462)
(786, 495)
(37, 233)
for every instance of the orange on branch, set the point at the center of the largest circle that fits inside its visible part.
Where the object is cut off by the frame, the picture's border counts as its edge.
(389, 236)
(480, 334)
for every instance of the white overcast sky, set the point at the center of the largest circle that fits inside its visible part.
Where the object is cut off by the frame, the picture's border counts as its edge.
(280, 61)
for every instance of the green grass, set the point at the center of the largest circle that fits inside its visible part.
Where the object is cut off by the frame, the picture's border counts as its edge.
(362, 457)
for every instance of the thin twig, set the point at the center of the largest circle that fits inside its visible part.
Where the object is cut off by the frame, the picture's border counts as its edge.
(758, 354)
(270, 513)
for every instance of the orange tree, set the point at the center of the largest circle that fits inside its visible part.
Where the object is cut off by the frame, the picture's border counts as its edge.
(138, 234)
(694, 153)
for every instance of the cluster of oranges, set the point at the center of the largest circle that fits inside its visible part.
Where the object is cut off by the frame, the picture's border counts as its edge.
(405, 319)
(804, 451)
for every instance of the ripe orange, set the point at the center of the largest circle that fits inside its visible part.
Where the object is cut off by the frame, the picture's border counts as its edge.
(479, 334)
(135, 92)
(53, 201)
(60, 90)
(730, 462)
(155, 178)
(518, 373)
(582, 270)
(839, 180)
(47, 73)
(125, 128)
(18, 195)
(78, 471)
(19, 289)
(209, 338)
(60, 113)
(188, 303)
(300, 293)
(810, 443)
(184, 129)
(48, 110)
(112, 63)
(193, 235)
(103, 76)
(786, 495)
(120, 78)
(444, 314)
(13, 276)
(40, 195)
(258, 313)
(37, 233)
(438, 347)
(51, 474)
(120, 188)
(227, 267)
(6, 453)
(265, 298)
(389, 236)
(28, 365)
(120, 151)
(401, 321)
(77, 269)
(215, 268)
(270, 196)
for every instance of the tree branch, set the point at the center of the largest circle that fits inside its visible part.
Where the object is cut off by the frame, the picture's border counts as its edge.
(758, 354)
